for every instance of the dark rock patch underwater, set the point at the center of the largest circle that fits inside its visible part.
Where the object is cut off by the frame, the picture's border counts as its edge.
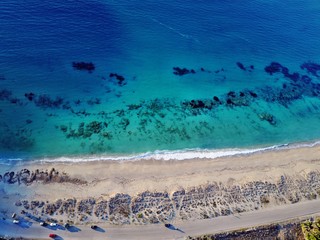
(146, 120)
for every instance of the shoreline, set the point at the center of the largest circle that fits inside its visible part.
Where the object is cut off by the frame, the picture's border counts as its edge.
(154, 191)
(299, 156)
(165, 155)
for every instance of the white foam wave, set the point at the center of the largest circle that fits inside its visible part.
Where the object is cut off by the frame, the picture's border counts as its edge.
(163, 155)
(176, 155)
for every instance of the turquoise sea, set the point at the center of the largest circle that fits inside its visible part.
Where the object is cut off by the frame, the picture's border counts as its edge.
(97, 79)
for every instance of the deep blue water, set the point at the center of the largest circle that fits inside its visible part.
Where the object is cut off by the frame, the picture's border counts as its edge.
(151, 109)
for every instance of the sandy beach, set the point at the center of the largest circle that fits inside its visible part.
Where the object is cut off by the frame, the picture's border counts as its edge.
(157, 191)
(133, 177)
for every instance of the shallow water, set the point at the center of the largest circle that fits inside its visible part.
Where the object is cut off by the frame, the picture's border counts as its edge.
(152, 108)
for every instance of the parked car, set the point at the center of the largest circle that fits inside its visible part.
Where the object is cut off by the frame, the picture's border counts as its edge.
(15, 221)
(52, 235)
(53, 224)
(94, 227)
(67, 225)
(43, 224)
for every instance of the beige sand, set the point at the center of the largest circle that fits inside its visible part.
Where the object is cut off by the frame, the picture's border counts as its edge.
(106, 178)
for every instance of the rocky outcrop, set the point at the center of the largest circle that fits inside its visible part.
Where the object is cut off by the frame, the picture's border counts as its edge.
(149, 207)
(201, 202)
(120, 209)
(28, 177)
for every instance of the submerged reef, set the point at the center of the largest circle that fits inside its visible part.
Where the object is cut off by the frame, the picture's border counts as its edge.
(311, 67)
(45, 101)
(296, 88)
(268, 117)
(84, 66)
(6, 95)
(275, 67)
(85, 130)
(295, 77)
(182, 71)
(231, 99)
(17, 139)
(242, 67)
(162, 121)
(120, 79)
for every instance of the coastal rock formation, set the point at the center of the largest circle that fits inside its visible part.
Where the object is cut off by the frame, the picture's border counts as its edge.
(101, 210)
(86, 206)
(201, 202)
(28, 177)
(119, 209)
(68, 207)
(151, 207)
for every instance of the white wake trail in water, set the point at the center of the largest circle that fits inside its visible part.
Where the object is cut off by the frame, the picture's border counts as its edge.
(187, 36)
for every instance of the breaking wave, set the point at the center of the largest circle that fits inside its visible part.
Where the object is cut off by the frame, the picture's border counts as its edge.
(185, 154)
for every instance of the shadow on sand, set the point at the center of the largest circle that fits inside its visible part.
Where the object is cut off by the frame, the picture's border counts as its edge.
(58, 238)
(34, 218)
(171, 227)
(99, 229)
(73, 229)
(24, 223)
(55, 227)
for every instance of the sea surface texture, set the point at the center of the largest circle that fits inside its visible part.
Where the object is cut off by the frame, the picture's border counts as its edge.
(127, 77)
